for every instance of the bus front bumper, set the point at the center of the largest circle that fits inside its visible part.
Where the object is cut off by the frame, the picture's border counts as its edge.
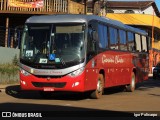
(65, 83)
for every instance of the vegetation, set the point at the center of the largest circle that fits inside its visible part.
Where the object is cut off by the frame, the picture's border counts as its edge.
(9, 72)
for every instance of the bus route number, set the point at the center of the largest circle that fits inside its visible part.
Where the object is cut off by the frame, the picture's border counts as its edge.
(29, 53)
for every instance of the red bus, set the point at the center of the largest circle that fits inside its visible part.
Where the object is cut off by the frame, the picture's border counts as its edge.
(81, 53)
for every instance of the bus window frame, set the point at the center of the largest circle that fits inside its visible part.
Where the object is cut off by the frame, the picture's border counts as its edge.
(144, 49)
(139, 44)
(117, 45)
(131, 48)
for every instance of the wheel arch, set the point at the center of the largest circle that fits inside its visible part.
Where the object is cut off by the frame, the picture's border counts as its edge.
(102, 71)
(135, 73)
(134, 70)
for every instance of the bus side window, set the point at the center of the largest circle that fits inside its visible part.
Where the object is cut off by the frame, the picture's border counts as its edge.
(131, 44)
(113, 38)
(138, 42)
(91, 42)
(123, 43)
(144, 44)
(103, 36)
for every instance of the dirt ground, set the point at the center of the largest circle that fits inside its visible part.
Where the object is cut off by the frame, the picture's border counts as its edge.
(144, 101)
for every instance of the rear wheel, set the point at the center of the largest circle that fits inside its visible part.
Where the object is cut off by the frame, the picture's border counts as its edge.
(131, 86)
(154, 76)
(96, 94)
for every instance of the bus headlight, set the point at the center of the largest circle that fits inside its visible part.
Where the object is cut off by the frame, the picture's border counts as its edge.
(24, 72)
(77, 72)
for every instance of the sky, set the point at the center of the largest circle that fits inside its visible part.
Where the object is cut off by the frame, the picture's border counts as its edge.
(158, 4)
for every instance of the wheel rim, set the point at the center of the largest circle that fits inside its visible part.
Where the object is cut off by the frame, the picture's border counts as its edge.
(133, 82)
(99, 86)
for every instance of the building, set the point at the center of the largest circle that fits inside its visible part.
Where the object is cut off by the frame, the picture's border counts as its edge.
(142, 14)
(13, 14)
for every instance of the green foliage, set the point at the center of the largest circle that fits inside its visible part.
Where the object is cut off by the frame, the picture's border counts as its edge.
(8, 69)
(8, 73)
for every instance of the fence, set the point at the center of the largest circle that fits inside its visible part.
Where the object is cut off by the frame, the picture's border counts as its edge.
(47, 7)
(10, 37)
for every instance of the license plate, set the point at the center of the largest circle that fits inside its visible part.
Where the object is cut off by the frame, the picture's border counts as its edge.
(48, 89)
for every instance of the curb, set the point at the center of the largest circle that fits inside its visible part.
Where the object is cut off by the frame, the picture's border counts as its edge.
(3, 87)
(2, 90)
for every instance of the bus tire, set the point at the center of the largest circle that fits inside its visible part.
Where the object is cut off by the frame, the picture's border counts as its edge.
(154, 77)
(132, 85)
(45, 95)
(96, 94)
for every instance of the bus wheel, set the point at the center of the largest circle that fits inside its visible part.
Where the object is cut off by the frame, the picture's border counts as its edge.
(154, 77)
(96, 94)
(45, 95)
(131, 86)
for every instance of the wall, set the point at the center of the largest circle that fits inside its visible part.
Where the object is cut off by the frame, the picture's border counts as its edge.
(7, 54)
(8, 73)
(148, 11)
(75, 8)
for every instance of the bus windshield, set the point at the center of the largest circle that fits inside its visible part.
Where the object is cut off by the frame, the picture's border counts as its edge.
(52, 44)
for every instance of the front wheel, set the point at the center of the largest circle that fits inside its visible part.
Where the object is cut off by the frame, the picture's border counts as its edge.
(96, 94)
(131, 86)
(154, 77)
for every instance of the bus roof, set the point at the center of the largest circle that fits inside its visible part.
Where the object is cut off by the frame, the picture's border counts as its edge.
(79, 18)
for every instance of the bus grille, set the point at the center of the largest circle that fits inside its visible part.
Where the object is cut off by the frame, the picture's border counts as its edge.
(46, 84)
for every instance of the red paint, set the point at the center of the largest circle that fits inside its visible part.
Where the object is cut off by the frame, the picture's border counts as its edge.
(117, 67)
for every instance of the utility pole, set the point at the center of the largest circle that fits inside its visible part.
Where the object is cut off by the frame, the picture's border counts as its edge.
(99, 7)
(93, 6)
(85, 6)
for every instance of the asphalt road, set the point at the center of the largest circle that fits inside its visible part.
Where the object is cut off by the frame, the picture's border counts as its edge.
(145, 100)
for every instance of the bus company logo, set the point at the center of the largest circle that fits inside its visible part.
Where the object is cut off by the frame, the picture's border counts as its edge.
(107, 59)
(112, 59)
(118, 60)
(47, 72)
